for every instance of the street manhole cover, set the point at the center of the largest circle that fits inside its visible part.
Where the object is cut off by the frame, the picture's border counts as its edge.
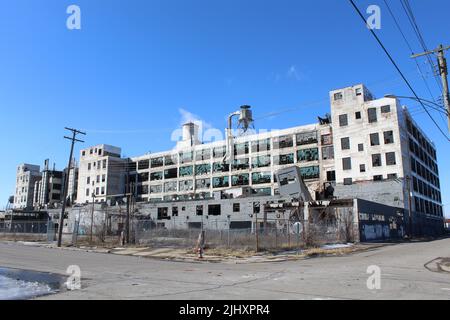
(439, 265)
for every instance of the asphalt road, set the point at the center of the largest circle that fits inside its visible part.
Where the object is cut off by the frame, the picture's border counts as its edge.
(107, 276)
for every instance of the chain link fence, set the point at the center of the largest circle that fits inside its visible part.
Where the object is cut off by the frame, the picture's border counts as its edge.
(269, 235)
(34, 230)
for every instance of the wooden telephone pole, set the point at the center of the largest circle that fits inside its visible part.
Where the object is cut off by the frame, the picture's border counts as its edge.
(443, 72)
(66, 181)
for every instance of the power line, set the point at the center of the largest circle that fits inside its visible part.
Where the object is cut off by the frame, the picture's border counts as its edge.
(412, 20)
(412, 53)
(396, 66)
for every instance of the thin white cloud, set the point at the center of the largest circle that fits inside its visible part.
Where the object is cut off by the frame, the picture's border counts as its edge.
(293, 73)
(187, 116)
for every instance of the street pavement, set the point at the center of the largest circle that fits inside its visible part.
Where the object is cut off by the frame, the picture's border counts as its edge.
(407, 272)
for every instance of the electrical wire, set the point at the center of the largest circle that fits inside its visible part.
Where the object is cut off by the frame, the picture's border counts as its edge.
(397, 67)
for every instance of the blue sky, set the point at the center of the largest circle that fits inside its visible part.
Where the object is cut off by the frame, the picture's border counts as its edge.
(134, 65)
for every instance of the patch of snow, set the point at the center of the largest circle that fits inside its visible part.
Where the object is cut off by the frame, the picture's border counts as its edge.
(337, 246)
(12, 289)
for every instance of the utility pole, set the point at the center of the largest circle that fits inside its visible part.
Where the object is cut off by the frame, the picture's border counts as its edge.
(128, 192)
(92, 216)
(443, 72)
(66, 181)
(408, 188)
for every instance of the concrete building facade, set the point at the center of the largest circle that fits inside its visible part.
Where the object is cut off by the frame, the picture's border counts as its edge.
(199, 171)
(381, 153)
(101, 173)
(26, 177)
(369, 149)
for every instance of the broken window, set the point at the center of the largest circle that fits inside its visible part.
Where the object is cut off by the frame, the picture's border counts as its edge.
(343, 120)
(345, 143)
(308, 155)
(214, 210)
(187, 185)
(186, 157)
(221, 182)
(156, 176)
(385, 109)
(374, 139)
(174, 211)
(186, 171)
(163, 213)
(143, 164)
(261, 177)
(376, 160)
(240, 180)
(157, 162)
(171, 173)
(240, 164)
(388, 137)
(328, 153)
(378, 178)
(304, 138)
(284, 159)
(348, 181)
(221, 167)
(201, 155)
(283, 142)
(203, 183)
(358, 115)
(346, 164)
(143, 177)
(199, 210)
(256, 207)
(331, 176)
(312, 172)
(261, 145)
(156, 189)
(219, 152)
(338, 96)
(170, 186)
(392, 176)
(241, 148)
(170, 160)
(390, 158)
(372, 115)
(326, 139)
(202, 169)
(261, 161)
